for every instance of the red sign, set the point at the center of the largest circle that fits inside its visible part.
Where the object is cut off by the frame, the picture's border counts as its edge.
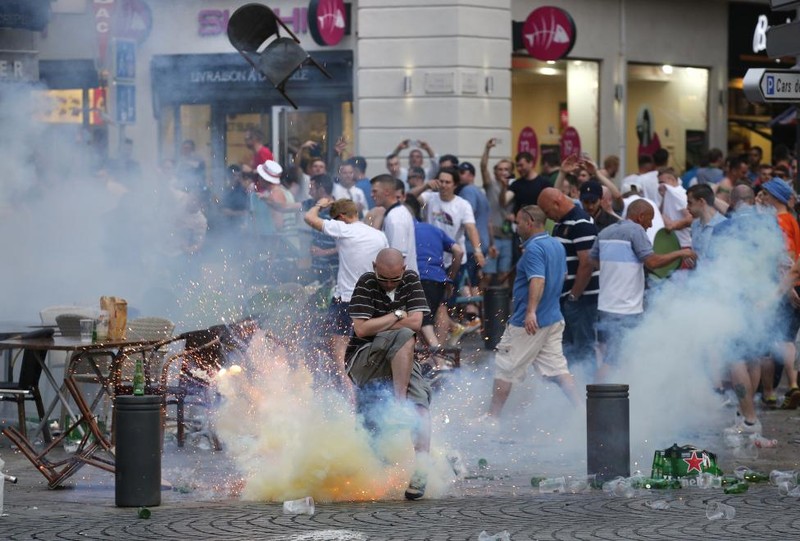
(570, 143)
(103, 13)
(548, 33)
(326, 20)
(133, 20)
(528, 142)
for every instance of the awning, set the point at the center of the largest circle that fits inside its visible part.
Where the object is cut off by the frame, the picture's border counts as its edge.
(65, 74)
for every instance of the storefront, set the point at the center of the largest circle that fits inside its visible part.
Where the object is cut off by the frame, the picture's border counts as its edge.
(639, 73)
(640, 76)
(213, 99)
(755, 124)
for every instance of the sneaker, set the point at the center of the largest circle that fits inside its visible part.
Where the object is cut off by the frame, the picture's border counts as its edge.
(416, 487)
(742, 427)
(769, 402)
(456, 334)
(791, 399)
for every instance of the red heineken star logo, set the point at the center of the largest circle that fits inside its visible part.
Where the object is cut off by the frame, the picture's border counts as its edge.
(694, 462)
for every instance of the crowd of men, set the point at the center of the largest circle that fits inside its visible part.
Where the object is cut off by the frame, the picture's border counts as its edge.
(409, 249)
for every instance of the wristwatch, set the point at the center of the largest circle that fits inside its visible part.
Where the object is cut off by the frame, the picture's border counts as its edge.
(399, 314)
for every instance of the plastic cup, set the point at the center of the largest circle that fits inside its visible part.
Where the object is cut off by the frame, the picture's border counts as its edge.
(87, 326)
(303, 506)
(717, 510)
(553, 485)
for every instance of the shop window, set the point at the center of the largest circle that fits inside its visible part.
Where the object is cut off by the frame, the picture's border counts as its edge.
(236, 125)
(551, 96)
(166, 130)
(195, 125)
(667, 107)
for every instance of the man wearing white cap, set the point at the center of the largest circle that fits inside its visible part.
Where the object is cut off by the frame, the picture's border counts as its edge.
(267, 220)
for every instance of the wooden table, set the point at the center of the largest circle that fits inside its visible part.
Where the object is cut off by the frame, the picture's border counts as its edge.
(95, 447)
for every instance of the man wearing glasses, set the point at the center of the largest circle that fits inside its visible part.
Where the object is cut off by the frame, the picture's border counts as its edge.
(387, 308)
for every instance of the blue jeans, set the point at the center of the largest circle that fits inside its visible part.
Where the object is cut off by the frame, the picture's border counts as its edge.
(580, 317)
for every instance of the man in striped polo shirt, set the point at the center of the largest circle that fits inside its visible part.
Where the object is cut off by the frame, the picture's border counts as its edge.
(387, 308)
(576, 231)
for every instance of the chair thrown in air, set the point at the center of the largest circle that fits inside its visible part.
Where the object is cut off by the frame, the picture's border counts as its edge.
(254, 25)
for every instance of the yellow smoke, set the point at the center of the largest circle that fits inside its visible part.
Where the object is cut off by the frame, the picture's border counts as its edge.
(290, 439)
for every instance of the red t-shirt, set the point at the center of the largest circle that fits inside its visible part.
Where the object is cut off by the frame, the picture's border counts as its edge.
(260, 156)
(791, 233)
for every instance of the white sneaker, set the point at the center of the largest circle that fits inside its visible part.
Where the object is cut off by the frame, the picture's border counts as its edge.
(741, 427)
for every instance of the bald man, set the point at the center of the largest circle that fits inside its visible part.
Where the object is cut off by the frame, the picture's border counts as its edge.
(620, 252)
(577, 232)
(387, 308)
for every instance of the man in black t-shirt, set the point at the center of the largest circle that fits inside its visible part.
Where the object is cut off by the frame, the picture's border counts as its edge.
(526, 188)
(387, 308)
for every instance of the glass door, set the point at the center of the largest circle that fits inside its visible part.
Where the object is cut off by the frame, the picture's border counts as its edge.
(292, 129)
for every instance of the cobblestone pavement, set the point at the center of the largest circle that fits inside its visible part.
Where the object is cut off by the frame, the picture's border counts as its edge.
(499, 500)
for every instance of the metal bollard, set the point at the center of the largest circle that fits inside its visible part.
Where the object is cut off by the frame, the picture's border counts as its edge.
(138, 451)
(608, 450)
(496, 307)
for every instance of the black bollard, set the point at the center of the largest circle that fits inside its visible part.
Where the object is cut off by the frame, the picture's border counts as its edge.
(496, 307)
(137, 428)
(608, 449)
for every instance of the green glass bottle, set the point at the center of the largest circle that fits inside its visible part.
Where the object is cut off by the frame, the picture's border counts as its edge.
(755, 477)
(138, 378)
(738, 488)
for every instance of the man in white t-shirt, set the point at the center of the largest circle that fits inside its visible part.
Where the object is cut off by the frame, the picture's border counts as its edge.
(450, 213)
(621, 250)
(358, 245)
(453, 215)
(346, 188)
(398, 223)
(673, 206)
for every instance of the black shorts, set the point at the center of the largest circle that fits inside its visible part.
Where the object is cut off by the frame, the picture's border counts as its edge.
(434, 294)
(339, 322)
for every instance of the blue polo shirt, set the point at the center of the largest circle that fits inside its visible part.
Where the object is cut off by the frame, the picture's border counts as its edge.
(542, 257)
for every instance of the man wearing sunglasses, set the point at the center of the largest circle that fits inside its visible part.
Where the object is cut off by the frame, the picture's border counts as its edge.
(387, 308)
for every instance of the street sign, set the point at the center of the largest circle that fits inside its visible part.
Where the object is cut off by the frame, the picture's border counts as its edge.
(783, 40)
(123, 103)
(772, 86)
(123, 59)
(778, 5)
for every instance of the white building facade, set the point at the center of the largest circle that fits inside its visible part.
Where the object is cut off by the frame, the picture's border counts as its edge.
(452, 73)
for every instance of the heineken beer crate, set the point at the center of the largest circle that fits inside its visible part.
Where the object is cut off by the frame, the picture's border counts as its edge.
(676, 462)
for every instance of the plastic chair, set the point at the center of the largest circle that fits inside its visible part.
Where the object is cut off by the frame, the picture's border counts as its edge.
(150, 328)
(253, 25)
(27, 388)
(48, 315)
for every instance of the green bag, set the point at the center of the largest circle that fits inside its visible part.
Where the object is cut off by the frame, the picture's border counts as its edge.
(687, 461)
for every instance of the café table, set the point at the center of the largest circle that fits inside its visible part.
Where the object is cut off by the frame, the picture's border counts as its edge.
(95, 447)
